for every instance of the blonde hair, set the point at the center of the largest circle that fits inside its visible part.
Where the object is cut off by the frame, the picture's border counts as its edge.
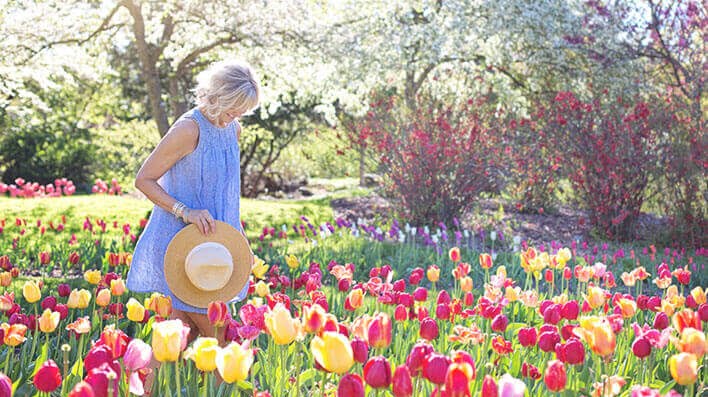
(225, 85)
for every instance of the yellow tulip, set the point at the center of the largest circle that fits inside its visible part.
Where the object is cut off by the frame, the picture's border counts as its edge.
(103, 298)
(160, 304)
(136, 311)
(292, 261)
(92, 276)
(466, 284)
(259, 268)
(692, 341)
(433, 273)
(167, 340)
(563, 256)
(262, 289)
(627, 306)
(234, 362)
(684, 368)
(698, 295)
(512, 294)
(203, 352)
(595, 297)
(280, 325)
(48, 321)
(118, 287)
(333, 352)
(5, 279)
(31, 291)
(598, 334)
(78, 299)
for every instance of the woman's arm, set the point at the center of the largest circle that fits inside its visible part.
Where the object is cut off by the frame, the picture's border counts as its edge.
(180, 140)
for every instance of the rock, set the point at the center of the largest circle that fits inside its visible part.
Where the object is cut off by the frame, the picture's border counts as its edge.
(372, 180)
(305, 191)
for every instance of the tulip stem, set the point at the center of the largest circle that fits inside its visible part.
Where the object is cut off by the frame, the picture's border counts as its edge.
(178, 378)
(7, 359)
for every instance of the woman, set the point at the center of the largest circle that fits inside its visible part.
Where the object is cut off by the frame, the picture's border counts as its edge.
(193, 176)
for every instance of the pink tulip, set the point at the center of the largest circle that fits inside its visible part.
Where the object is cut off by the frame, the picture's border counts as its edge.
(555, 378)
(416, 358)
(429, 329)
(402, 383)
(360, 350)
(377, 372)
(489, 387)
(435, 368)
(499, 323)
(350, 385)
(137, 356)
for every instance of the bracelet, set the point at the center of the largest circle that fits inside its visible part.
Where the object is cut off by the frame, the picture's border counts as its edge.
(178, 209)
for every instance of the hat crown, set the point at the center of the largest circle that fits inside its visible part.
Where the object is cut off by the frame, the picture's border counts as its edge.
(209, 266)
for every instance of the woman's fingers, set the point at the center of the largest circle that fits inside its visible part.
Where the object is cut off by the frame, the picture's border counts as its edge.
(203, 225)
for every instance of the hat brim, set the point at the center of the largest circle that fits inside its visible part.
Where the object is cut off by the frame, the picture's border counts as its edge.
(188, 238)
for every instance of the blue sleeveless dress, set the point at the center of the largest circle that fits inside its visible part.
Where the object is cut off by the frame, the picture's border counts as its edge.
(208, 178)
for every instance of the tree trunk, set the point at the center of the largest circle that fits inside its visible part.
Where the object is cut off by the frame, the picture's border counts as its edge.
(362, 165)
(148, 68)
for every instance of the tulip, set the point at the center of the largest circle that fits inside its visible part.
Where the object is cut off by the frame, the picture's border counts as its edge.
(402, 382)
(82, 389)
(262, 289)
(485, 261)
(64, 290)
(400, 313)
(217, 313)
(160, 304)
(628, 307)
(528, 336)
(435, 368)
(167, 339)
(5, 385)
(137, 355)
(280, 325)
(5, 279)
(547, 340)
(313, 318)
(420, 294)
(379, 331)
(354, 299)
(233, 362)
(454, 254)
(442, 311)
(333, 352)
(499, 323)
(641, 347)
(49, 302)
(377, 372)
(692, 341)
(103, 298)
(598, 334)
(118, 287)
(686, 318)
(92, 276)
(292, 262)
(572, 352)
(570, 310)
(100, 377)
(433, 273)
(661, 321)
(360, 350)
(595, 297)
(203, 352)
(684, 368)
(47, 378)
(555, 377)
(14, 334)
(31, 292)
(429, 329)
(44, 258)
(466, 284)
(49, 321)
(489, 387)
(511, 387)
(136, 311)
(98, 355)
(350, 385)
(79, 299)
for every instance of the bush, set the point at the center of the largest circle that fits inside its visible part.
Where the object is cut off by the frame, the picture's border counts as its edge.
(437, 160)
(610, 149)
(43, 152)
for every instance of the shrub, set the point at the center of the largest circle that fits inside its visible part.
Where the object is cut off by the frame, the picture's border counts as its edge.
(437, 160)
(610, 149)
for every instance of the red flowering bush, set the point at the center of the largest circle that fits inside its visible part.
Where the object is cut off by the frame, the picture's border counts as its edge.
(610, 148)
(437, 159)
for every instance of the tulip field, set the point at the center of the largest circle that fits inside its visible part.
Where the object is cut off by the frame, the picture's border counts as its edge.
(344, 308)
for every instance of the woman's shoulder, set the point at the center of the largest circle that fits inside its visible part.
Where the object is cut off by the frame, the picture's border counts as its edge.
(184, 133)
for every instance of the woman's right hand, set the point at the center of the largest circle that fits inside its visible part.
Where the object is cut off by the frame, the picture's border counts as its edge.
(202, 219)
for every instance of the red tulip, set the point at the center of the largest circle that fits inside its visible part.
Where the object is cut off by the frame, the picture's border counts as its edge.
(62, 309)
(416, 276)
(377, 372)
(5, 385)
(98, 355)
(457, 380)
(547, 341)
(416, 358)
(499, 323)
(435, 368)
(703, 312)
(443, 297)
(401, 313)
(399, 285)
(661, 321)
(64, 290)
(379, 332)
(567, 331)
(528, 336)
(350, 385)
(48, 377)
(572, 352)
(74, 258)
(552, 315)
(420, 294)
(469, 299)
(218, 313)
(555, 377)
(344, 284)
(428, 329)
(44, 257)
(116, 339)
(360, 350)
(98, 379)
(406, 299)
(82, 389)
(442, 311)
(49, 302)
(489, 387)
(402, 383)
(641, 347)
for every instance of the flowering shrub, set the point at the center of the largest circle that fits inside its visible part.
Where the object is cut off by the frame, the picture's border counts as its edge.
(102, 187)
(437, 159)
(22, 188)
(610, 149)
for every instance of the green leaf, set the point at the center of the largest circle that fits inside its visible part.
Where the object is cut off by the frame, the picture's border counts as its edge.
(41, 359)
(306, 375)
(244, 385)
(667, 387)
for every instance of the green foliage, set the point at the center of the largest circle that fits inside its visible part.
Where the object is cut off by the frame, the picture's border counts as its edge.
(121, 150)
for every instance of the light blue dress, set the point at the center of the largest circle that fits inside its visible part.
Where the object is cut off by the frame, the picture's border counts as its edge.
(208, 178)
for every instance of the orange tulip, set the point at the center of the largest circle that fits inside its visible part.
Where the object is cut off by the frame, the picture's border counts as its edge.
(313, 318)
(684, 368)
(699, 295)
(379, 333)
(433, 273)
(14, 334)
(355, 298)
(5, 279)
(628, 307)
(81, 326)
(117, 287)
(160, 304)
(687, 318)
(692, 341)
(597, 333)
(103, 298)
(466, 284)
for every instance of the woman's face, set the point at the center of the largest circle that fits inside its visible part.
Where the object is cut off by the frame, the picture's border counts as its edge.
(230, 115)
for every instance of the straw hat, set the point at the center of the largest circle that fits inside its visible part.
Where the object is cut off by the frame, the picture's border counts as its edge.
(200, 269)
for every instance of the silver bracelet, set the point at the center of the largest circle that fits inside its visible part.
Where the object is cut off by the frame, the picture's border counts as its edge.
(178, 209)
